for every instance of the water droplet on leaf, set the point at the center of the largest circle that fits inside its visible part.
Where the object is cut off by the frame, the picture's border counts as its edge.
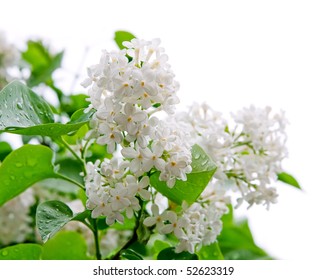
(4, 253)
(31, 162)
(204, 162)
(19, 106)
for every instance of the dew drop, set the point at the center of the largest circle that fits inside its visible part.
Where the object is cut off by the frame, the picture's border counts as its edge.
(204, 162)
(196, 156)
(12, 178)
(31, 162)
(4, 253)
(19, 164)
(19, 105)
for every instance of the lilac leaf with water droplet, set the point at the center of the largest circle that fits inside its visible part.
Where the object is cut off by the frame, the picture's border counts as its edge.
(51, 216)
(21, 252)
(24, 167)
(24, 112)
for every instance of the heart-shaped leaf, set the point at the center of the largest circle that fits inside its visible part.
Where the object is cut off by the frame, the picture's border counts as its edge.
(52, 216)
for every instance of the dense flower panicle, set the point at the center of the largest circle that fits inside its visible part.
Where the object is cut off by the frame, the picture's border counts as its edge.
(144, 81)
(248, 153)
(126, 95)
(126, 89)
(16, 222)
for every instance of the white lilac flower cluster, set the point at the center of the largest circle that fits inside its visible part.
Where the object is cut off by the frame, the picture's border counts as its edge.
(8, 58)
(248, 152)
(127, 88)
(16, 222)
(195, 225)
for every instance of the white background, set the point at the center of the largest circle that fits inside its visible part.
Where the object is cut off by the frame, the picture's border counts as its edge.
(229, 54)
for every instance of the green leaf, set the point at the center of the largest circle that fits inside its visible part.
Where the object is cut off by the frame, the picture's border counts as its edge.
(24, 167)
(21, 107)
(97, 151)
(288, 179)
(42, 62)
(203, 169)
(52, 216)
(66, 245)
(130, 254)
(5, 150)
(243, 254)
(71, 168)
(78, 136)
(160, 245)
(60, 186)
(236, 242)
(82, 216)
(23, 112)
(54, 130)
(21, 252)
(210, 252)
(170, 254)
(227, 219)
(73, 103)
(122, 36)
(157, 246)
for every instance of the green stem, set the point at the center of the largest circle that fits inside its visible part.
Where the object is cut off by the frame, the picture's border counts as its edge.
(73, 153)
(88, 225)
(84, 150)
(60, 176)
(127, 244)
(134, 237)
(96, 239)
